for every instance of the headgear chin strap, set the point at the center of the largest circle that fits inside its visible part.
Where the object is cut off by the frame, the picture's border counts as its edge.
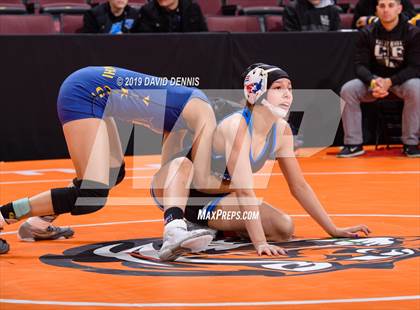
(259, 79)
(276, 111)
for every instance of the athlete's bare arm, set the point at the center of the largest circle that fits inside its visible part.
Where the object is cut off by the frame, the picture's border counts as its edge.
(302, 191)
(237, 146)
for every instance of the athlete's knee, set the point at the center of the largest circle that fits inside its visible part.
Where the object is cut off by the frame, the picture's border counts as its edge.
(84, 197)
(182, 166)
(289, 227)
(284, 227)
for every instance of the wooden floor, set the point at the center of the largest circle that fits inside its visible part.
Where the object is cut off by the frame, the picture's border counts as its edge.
(96, 270)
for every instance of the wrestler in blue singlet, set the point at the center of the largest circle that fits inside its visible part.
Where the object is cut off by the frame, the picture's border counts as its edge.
(96, 92)
(208, 202)
(219, 168)
(219, 161)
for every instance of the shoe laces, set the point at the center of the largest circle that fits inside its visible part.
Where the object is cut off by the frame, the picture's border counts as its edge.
(53, 228)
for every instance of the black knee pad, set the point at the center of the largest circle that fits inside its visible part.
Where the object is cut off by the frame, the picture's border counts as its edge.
(84, 198)
(116, 175)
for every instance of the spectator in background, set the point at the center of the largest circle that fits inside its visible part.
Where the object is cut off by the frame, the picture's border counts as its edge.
(114, 17)
(311, 15)
(387, 60)
(170, 16)
(365, 12)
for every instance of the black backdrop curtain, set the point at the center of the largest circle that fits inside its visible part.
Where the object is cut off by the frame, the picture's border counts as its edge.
(33, 68)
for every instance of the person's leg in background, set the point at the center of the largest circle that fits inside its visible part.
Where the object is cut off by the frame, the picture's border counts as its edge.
(409, 91)
(353, 93)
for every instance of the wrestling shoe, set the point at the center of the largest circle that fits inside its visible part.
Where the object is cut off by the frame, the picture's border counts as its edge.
(193, 226)
(37, 228)
(177, 240)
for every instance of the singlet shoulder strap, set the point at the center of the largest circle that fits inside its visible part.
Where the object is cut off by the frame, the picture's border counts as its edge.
(274, 139)
(247, 115)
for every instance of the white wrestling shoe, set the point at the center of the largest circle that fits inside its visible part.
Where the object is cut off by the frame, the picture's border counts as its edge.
(193, 226)
(38, 228)
(177, 240)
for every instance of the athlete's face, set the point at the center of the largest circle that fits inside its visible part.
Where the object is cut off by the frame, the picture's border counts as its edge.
(388, 10)
(118, 4)
(280, 94)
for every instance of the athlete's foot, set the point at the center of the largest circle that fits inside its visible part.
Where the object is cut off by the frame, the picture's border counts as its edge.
(177, 240)
(38, 228)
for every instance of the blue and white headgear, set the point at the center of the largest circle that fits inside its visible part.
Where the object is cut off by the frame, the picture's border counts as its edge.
(258, 78)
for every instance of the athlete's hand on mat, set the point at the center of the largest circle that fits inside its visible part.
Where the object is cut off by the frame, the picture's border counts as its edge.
(269, 249)
(351, 232)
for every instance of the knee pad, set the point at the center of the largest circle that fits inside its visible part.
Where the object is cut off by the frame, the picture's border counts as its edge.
(116, 175)
(84, 198)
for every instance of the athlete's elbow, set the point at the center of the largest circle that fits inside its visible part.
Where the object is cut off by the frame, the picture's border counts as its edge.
(246, 198)
(245, 192)
(299, 189)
